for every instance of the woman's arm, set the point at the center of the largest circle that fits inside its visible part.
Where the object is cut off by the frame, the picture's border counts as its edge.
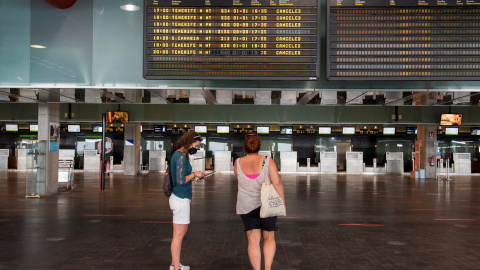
(180, 172)
(276, 181)
(235, 166)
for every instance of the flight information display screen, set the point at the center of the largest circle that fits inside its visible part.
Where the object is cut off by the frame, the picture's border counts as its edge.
(403, 39)
(231, 39)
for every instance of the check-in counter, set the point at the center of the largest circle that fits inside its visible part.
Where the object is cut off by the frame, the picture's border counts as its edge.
(354, 162)
(288, 161)
(198, 161)
(394, 162)
(4, 154)
(462, 163)
(328, 162)
(91, 160)
(66, 161)
(157, 160)
(67, 154)
(223, 161)
(21, 155)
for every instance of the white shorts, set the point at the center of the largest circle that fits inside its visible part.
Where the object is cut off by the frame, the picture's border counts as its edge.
(181, 209)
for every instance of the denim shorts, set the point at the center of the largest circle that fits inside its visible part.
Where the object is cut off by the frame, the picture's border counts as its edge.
(253, 221)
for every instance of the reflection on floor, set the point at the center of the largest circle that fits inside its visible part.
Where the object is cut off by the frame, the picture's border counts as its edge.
(334, 221)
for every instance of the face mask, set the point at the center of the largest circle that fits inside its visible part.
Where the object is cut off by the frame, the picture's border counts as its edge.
(192, 151)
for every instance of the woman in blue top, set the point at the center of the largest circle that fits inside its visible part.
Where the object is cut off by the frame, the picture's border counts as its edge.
(182, 177)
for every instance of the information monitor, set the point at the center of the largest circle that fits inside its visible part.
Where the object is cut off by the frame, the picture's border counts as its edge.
(403, 39)
(231, 39)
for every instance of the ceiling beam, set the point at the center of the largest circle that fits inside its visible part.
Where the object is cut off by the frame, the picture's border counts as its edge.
(18, 96)
(105, 93)
(400, 101)
(306, 98)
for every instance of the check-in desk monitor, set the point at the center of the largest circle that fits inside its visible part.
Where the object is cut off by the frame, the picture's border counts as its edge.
(288, 161)
(4, 154)
(354, 162)
(91, 160)
(328, 162)
(223, 161)
(462, 163)
(157, 160)
(198, 161)
(394, 162)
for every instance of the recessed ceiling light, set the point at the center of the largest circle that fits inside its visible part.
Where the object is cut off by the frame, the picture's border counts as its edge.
(38, 46)
(130, 7)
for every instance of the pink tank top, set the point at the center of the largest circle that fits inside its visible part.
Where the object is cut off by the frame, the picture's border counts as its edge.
(252, 176)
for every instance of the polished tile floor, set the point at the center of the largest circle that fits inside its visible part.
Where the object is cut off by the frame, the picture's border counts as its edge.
(334, 222)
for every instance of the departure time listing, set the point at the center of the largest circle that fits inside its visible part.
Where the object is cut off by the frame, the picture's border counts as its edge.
(255, 31)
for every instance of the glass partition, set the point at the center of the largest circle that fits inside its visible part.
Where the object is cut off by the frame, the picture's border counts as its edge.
(395, 145)
(35, 185)
(328, 144)
(155, 143)
(275, 145)
(455, 146)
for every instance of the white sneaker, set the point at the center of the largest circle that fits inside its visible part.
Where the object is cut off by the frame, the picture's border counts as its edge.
(182, 267)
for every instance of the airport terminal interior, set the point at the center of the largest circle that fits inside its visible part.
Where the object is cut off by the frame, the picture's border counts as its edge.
(369, 109)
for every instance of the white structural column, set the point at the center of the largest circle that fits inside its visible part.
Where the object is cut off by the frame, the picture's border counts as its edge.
(48, 130)
(132, 137)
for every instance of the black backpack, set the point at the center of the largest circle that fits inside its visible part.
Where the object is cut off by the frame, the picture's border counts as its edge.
(167, 182)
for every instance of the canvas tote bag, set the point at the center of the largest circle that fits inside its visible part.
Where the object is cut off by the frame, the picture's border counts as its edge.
(272, 203)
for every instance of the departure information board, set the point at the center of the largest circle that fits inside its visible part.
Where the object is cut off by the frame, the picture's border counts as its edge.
(403, 39)
(231, 39)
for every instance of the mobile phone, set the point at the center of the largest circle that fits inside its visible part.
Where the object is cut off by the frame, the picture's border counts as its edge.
(208, 175)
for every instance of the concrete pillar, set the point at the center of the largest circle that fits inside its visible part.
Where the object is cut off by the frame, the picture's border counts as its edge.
(329, 98)
(224, 96)
(132, 136)
(427, 135)
(288, 97)
(131, 150)
(49, 115)
(263, 97)
(196, 97)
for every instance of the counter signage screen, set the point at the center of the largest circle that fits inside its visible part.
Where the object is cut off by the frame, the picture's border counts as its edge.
(263, 130)
(201, 129)
(325, 130)
(73, 128)
(160, 129)
(97, 128)
(411, 130)
(389, 131)
(11, 127)
(213, 39)
(286, 130)
(33, 128)
(475, 131)
(223, 129)
(451, 119)
(348, 130)
(451, 131)
(402, 40)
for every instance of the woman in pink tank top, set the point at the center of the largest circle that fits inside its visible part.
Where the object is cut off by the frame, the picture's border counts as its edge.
(251, 171)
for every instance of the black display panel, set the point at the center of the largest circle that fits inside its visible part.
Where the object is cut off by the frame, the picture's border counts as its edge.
(160, 129)
(403, 39)
(231, 39)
